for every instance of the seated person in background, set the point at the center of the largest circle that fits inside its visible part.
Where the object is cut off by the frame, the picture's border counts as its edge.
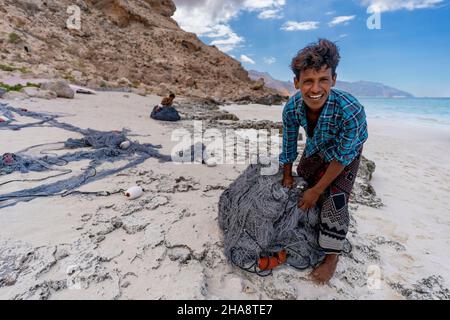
(165, 102)
(165, 111)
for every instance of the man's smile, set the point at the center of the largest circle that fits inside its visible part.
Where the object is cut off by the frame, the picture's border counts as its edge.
(316, 97)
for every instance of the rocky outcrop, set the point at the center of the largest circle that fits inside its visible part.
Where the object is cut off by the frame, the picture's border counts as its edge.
(164, 7)
(363, 192)
(33, 92)
(61, 88)
(14, 95)
(134, 39)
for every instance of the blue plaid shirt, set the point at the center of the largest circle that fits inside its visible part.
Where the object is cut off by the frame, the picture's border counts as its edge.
(340, 132)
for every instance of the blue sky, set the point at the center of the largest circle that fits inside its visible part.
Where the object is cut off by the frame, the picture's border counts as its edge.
(411, 51)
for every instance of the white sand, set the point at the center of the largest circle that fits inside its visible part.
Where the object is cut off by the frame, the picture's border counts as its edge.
(142, 260)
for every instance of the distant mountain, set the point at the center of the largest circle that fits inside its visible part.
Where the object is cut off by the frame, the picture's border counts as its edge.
(359, 88)
(372, 89)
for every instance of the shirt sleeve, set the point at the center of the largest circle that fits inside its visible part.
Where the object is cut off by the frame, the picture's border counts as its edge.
(352, 136)
(290, 133)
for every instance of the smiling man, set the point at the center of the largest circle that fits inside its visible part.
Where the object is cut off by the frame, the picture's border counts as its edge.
(336, 129)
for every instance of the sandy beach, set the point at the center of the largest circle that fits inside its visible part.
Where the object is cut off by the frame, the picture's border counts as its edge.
(167, 244)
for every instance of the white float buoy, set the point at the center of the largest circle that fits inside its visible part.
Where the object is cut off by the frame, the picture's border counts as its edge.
(211, 162)
(125, 145)
(134, 192)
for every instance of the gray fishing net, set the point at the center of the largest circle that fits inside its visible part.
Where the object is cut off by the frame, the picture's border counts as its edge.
(8, 113)
(96, 146)
(259, 218)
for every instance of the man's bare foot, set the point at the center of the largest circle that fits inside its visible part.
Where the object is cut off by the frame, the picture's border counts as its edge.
(323, 273)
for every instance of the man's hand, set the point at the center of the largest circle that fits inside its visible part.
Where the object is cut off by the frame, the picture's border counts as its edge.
(288, 182)
(311, 196)
(309, 199)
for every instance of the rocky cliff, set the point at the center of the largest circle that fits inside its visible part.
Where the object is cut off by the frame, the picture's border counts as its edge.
(120, 43)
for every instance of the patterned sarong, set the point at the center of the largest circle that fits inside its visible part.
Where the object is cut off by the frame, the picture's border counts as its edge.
(333, 204)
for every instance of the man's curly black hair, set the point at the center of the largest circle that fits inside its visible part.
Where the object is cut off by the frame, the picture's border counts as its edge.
(315, 56)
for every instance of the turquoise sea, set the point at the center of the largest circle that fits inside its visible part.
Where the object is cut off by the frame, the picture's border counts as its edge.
(430, 111)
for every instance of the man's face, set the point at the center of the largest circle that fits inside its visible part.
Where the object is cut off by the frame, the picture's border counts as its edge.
(315, 86)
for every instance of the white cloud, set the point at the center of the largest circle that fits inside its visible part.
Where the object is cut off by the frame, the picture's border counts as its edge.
(211, 18)
(224, 37)
(303, 26)
(330, 13)
(247, 59)
(228, 44)
(341, 20)
(270, 60)
(271, 14)
(394, 5)
(263, 4)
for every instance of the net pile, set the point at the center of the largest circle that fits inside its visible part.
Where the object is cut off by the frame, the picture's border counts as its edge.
(165, 114)
(259, 217)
